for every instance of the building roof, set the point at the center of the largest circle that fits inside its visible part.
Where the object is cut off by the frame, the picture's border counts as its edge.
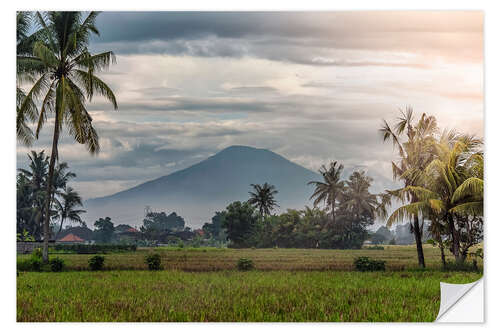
(71, 238)
(131, 230)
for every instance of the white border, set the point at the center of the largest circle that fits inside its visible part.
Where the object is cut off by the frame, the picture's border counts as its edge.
(7, 132)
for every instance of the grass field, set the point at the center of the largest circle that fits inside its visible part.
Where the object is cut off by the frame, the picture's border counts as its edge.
(232, 296)
(397, 258)
(203, 285)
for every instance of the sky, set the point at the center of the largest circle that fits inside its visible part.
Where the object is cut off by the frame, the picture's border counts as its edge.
(310, 86)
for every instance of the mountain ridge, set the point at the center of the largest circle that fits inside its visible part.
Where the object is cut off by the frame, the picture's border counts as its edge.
(197, 191)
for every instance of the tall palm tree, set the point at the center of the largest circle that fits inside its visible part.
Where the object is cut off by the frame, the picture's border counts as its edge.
(67, 207)
(263, 198)
(414, 155)
(328, 190)
(65, 81)
(450, 189)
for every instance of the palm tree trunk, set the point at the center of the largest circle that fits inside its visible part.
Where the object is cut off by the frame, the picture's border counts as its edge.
(455, 239)
(333, 212)
(418, 241)
(46, 224)
(443, 258)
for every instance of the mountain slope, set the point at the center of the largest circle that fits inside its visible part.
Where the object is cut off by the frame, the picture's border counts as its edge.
(198, 191)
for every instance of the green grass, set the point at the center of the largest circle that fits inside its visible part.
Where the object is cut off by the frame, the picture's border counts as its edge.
(202, 284)
(232, 296)
(215, 259)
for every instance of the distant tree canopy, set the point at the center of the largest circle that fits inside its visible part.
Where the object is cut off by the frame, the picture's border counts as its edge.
(341, 224)
(215, 229)
(104, 230)
(382, 235)
(241, 222)
(158, 222)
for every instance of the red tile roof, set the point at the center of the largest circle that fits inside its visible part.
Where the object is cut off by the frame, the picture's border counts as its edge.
(71, 238)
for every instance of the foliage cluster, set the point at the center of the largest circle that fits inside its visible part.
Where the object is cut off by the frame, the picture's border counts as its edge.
(153, 261)
(96, 263)
(245, 264)
(365, 264)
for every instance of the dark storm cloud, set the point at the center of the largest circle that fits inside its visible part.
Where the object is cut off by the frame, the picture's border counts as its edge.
(298, 37)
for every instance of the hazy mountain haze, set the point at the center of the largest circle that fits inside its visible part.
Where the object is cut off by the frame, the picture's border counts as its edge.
(201, 189)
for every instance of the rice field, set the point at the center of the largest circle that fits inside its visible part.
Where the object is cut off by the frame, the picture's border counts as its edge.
(232, 296)
(202, 284)
(397, 258)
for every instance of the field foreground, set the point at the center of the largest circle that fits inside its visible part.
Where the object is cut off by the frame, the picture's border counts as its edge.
(232, 296)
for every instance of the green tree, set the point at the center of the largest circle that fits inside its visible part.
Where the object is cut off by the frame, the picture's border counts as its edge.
(65, 80)
(451, 192)
(356, 197)
(330, 189)
(263, 198)
(68, 207)
(104, 230)
(214, 229)
(241, 223)
(415, 143)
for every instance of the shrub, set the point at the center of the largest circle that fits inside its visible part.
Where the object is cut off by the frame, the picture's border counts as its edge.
(365, 264)
(153, 261)
(96, 263)
(56, 264)
(245, 264)
(32, 264)
(37, 253)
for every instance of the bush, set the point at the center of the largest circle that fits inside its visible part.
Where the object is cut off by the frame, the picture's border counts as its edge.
(56, 264)
(365, 264)
(154, 262)
(33, 264)
(245, 264)
(94, 248)
(96, 263)
(37, 253)
(29, 265)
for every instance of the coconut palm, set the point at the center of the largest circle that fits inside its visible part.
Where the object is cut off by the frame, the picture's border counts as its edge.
(328, 190)
(263, 198)
(450, 190)
(67, 207)
(414, 155)
(66, 79)
(356, 198)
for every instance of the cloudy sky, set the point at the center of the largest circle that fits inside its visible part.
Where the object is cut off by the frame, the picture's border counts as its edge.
(311, 86)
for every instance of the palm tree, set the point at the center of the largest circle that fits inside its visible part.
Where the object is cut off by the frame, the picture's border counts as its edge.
(23, 47)
(263, 198)
(357, 198)
(66, 80)
(452, 188)
(414, 155)
(329, 190)
(32, 183)
(67, 205)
